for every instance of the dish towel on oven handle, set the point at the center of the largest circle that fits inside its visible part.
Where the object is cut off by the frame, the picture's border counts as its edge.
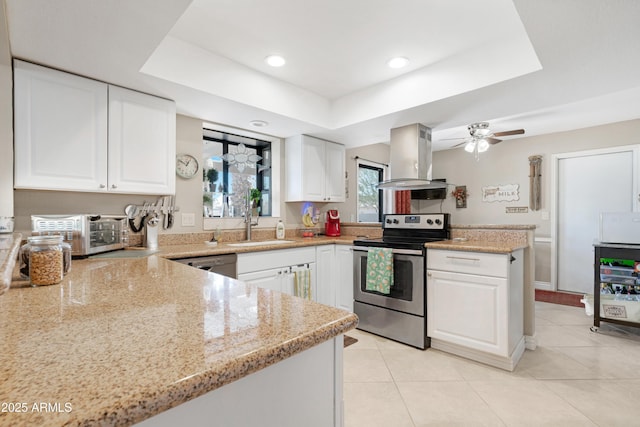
(379, 270)
(302, 283)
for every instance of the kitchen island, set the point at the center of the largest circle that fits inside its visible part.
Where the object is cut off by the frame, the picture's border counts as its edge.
(122, 340)
(475, 301)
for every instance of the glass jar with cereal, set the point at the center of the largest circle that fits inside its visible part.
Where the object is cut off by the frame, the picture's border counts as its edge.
(45, 260)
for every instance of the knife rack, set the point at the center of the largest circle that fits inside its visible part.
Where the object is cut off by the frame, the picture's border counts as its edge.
(162, 206)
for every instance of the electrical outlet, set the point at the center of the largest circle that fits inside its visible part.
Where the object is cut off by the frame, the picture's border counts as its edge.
(188, 220)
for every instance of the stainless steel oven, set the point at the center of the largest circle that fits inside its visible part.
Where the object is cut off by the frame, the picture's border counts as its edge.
(401, 314)
(407, 294)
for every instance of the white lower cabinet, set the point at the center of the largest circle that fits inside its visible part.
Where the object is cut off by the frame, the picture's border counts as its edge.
(268, 279)
(335, 276)
(276, 269)
(475, 305)
(331, 272)
(325, 259)
(344, 273)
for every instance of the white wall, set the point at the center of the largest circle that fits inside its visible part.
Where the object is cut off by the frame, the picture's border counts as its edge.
(507, 163)
(6, 119)
(188, 192)
(376, 153)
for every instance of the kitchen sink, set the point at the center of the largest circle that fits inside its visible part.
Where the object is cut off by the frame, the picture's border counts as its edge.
(261, 243)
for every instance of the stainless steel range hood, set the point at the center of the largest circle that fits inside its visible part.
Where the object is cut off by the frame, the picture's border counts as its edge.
(410, 159)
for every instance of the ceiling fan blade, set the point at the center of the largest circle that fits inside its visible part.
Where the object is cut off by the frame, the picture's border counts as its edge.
(492, 140)
(462, 143)
(509, 132)
(453, 139)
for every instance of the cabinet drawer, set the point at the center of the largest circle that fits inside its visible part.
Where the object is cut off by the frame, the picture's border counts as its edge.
(484, 264)
(263, 260)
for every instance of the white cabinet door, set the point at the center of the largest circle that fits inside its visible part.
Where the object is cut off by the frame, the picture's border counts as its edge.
(60, 130)
(315, 170)
(142, 143)
(468, 310)
(344, 277)
(78, 134)
(325, 260)
(269, 279)
(335, 169)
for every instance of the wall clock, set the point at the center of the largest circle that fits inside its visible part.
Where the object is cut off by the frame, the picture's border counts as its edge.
(186, 166)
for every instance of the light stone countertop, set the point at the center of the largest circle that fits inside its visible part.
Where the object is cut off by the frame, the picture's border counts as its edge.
(120, 340)
(494, 226)
(498, 247)
(202, 249)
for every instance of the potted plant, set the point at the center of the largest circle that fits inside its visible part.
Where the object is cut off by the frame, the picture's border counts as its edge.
(211, 175)
(254, 196)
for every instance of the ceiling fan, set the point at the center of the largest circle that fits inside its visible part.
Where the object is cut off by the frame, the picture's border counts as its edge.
(481, 137)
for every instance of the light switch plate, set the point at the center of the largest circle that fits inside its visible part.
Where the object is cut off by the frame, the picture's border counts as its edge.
(188, 220)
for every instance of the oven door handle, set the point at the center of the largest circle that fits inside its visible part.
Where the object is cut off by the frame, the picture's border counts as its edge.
(395, 251)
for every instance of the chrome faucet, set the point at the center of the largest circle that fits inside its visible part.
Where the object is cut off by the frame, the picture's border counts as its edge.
(247, 214)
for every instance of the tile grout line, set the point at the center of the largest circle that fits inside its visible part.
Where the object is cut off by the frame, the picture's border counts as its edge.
(395, 384)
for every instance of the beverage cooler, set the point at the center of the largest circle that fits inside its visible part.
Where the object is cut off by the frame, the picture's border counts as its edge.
(616, 293)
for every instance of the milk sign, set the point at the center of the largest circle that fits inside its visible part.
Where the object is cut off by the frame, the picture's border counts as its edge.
(500, 193)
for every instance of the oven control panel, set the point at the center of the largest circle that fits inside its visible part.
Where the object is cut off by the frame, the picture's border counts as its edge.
(419, 221)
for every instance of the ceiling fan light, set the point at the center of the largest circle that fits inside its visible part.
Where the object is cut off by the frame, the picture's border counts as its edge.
(483, 145)
(470, 147)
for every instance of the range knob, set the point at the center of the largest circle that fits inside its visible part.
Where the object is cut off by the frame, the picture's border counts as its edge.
(438, 222)
(395, 221)
(388, 221)
(430, 221)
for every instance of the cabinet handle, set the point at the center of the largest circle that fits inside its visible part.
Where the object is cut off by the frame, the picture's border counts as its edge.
(429, 274)
(114, 186)
(102, 186)
(463, 258)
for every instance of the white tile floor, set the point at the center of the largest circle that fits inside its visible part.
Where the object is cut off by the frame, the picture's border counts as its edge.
(574, 378)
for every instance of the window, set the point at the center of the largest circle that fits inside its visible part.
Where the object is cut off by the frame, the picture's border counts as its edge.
(369, 201)
(232, 165)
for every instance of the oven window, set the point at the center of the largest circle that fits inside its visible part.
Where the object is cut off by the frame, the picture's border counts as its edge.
(403, 280)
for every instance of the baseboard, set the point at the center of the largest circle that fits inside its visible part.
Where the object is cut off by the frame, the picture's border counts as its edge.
(507, 363)
(562, 298)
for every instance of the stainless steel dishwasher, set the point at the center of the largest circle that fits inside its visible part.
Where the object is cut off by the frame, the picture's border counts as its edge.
(221, 264)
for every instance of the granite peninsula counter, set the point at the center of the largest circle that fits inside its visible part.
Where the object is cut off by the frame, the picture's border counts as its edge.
(121, 340)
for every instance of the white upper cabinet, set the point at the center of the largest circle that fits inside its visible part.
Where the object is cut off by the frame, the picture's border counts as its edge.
(142, 143)
(315, 170)
(60, 130)
(78, 134)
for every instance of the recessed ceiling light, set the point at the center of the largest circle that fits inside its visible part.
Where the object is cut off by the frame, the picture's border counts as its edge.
(258, 123)
(398, 62)
(275, 60)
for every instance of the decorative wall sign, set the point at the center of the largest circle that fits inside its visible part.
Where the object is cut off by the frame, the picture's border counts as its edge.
(500, 193)
(517, 209)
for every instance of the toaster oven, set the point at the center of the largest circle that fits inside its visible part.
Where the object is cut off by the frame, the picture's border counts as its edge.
(87, 234)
